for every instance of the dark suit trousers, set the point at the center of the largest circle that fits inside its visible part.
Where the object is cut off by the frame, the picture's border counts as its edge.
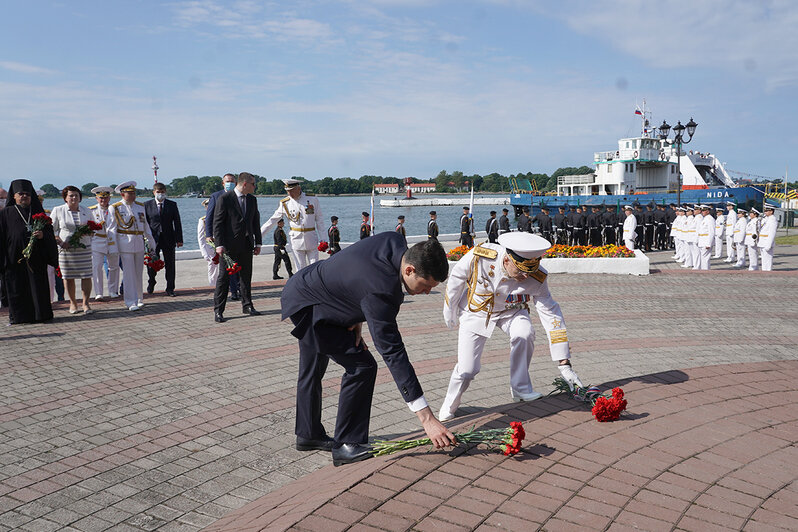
(244, 259)
(317, 344)
(169, 267)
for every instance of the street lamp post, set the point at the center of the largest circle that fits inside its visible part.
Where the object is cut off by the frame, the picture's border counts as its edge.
(678, 140)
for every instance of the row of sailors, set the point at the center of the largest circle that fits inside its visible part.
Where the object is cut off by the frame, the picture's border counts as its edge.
(696, 232)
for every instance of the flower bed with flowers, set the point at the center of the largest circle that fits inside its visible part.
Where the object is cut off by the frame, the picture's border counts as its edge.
(455, 254)
(578, 252)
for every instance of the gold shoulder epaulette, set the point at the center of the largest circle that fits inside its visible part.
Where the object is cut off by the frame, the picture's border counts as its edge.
(117, 204)
(285, 199)
(310, 193)
(138, 203)
(93, 207)
(488, 253)
(202, 218)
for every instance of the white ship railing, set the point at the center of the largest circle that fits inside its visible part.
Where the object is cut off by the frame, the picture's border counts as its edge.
(585, 179)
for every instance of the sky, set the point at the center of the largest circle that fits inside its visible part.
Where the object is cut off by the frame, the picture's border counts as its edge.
(91, 90)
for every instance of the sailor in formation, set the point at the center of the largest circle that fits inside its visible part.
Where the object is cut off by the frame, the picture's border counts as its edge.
(690, 239)
(767, 238)
(432, 226)
(720, 231)
(730, 222)
(504, 222)
(103, 249)
(305, 223)
(676, 234)
(751, 236)
(629, 228)
(705, 237)
(493, 285)
(739, 237)
(128, 227)
(365, 226)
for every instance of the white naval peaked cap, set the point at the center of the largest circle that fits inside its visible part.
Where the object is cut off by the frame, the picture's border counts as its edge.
(102, 190)
(627, 208)
(754, 211)
(127, 185)
(525, 244)
(730, 203)
(719, 209)
(741, 211)
(769, 207)
(291, 183)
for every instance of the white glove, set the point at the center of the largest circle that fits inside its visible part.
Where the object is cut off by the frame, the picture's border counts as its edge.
(570, 376)
(448, 317)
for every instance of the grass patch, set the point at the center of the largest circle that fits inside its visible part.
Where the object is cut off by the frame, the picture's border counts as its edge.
(789, 240)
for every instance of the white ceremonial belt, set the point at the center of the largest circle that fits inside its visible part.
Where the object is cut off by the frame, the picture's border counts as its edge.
(123, 232)
(303, 229)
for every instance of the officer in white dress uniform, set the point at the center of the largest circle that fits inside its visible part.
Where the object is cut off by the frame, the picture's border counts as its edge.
(697, 217)
(720, 230)
(767, 238)
(731, 221)
(751, 236)
(208, 251)
(629, 227)
(128, 227)
(739, 237)
(492, 286)
(689, 238)
(678, 234)
(103, 249)
(305, 223)
(705, 237)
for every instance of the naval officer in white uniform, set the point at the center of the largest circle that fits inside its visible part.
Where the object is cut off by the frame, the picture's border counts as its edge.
(731, 221)
(103, 249)
(128, 227)
(739, 237)
(305, 223)
(720, 230)
(705, 238)
(767, 239)
(493, 285)
(751, 236)
(629, 227)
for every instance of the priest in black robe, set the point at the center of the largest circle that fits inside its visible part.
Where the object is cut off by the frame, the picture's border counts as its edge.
(26, 281)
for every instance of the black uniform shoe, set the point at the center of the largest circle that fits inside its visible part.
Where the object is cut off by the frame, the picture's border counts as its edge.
(235, 296)
(349, 453)
(306, 444)
(218, 318)
(276, 277)
(171, 294)
(251, 311)
(150, 288)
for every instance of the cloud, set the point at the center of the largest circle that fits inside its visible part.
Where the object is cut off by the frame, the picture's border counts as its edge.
(25, 69)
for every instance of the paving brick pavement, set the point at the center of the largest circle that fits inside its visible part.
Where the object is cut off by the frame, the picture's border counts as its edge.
(164, 420)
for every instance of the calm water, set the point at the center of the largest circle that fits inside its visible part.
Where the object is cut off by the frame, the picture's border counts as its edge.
(346, 208)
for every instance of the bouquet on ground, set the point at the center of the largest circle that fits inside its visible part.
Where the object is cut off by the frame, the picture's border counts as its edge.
(457, 253)
(83, 230)
(507, 440)
(606, 407)
(151, 260)
(39, 221)
(230, 265)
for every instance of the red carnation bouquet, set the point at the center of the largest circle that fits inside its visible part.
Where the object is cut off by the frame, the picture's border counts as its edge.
(605, 407)
(39, 221)
(230, 265)
(151, 260)
(507, 440)
(323, 246)
(81, 231)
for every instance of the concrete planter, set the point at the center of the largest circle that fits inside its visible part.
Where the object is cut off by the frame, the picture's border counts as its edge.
(639, 265)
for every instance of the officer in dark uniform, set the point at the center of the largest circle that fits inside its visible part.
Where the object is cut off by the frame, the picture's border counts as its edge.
(400, 226)
(580, 226)
(608, 225)
(524, 223)
(594, 226)
(365, 228)
(640, 231)
(504, 222)
(570, 225)
(544, 223)
(280, 254)
(560, 228)
(660, 227)
(432, 226)
(466, 238)
(334, 236)
(620, 218)
(492, 228)
(648, 222)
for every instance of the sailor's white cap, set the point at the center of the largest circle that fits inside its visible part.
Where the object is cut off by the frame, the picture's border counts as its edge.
(127, 186)
(706, 208)
(679, 209)
(205, 202)
(625, 207)
(753, 210)
(743, 211)
(291, 183)
(769, 207)
(525, 244)
(103, 191)
(719, 209)
(730, 203)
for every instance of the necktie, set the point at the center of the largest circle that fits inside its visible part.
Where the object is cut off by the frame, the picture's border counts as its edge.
(243, 203)
(160, 208)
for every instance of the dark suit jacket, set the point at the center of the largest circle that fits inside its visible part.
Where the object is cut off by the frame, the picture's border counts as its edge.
(209, 211)
(166, 227)
(360, 283)
(231, 229)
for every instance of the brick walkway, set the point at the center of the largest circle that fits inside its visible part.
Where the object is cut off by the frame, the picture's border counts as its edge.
(164, 420)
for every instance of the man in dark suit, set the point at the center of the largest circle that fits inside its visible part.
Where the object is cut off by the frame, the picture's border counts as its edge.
(328, 302)
(164, 219)
(236, 231)
(229, 183)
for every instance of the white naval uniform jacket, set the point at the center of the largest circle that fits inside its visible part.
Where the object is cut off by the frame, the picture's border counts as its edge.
(731, 222)
(478, 294)
(305, 222)
(767, 233)
(720, 226)
(206, 250)
(690, 229)
(706, 232)
(751, 229)
(676, 227)
(739, 230)
(100, 241)
(629, 226)
(128, 227)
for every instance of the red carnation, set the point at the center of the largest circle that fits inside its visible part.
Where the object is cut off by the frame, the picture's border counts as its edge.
(94, 226)
(215, 259)
(323, 246)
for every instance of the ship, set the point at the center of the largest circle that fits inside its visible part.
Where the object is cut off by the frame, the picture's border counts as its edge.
(643, 170)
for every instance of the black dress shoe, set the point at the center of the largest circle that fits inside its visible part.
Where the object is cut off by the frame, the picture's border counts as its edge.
(171, 294)
(251, 311)
(235, 296)
(150, 288)
(349, 453)
(321, 444)
(218, 318)
(276, 277)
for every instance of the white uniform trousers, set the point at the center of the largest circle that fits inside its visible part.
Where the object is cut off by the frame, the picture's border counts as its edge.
(98, 272)
(132, 272)
(304, 257)
(704, 257)
(519, 328)
(740, 249)
(630, 244)
(213, 272)
(51, 277)
(679, 245)
(767, 258)
(695, 255)
(752, 259)
(718, 246)
(730, 249)
(688, 255)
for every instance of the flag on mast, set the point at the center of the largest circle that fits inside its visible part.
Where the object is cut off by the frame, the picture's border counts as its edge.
(371, 214)
(638, 111)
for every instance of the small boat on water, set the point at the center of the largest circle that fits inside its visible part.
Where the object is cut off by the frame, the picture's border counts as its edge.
(642, 170)
(190, 195)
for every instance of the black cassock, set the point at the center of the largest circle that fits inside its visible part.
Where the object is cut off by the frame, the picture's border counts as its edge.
(26, 282)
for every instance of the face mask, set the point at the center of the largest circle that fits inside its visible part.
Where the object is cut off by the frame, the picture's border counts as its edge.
(160, 197)
(229, 186)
